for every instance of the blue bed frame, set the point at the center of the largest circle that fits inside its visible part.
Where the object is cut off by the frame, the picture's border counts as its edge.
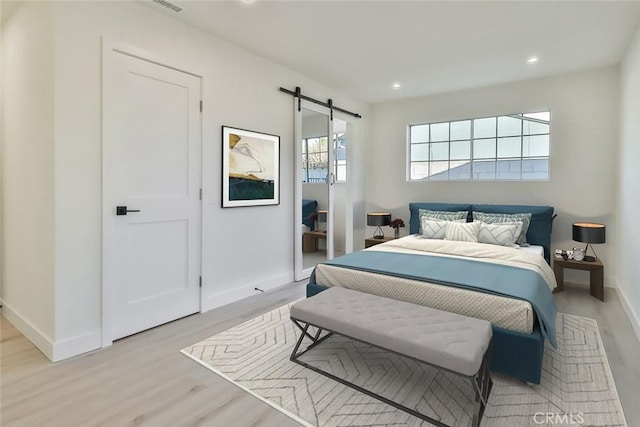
(515, 354)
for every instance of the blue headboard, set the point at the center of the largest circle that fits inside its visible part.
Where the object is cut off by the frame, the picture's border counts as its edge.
(539, 232)
(308, 207)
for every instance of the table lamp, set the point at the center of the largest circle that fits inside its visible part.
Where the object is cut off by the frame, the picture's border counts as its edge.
(378, 219)
(589, 233)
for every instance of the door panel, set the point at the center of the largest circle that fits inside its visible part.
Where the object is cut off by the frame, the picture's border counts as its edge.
(159, 136)
(152, 164)
(162, 269)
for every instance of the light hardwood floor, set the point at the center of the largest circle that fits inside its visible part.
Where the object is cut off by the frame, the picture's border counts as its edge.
(144, 380)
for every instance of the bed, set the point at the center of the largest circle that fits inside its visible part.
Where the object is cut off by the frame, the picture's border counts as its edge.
(473, 279)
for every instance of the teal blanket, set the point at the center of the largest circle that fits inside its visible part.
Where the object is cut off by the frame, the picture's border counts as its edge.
(463, 273)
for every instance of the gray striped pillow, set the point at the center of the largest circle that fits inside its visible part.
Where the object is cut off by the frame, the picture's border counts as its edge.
(463, 231)
(435, 228)
(441, 215)
(496, 218)
(499, 234)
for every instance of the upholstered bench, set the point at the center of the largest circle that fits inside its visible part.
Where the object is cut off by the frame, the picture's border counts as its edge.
(447, 341)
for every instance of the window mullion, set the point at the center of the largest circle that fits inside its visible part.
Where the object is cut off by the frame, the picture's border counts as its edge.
(495, 153)
(429, 155)
(473, 137)
(308, 175)
(521, 146)
(449, 156)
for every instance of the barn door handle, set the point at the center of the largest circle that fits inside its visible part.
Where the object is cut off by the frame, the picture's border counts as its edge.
(122, 210)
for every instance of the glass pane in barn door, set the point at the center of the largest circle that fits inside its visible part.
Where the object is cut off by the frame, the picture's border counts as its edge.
(315, 154)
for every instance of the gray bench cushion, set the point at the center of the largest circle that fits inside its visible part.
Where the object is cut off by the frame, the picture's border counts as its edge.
(448, 340)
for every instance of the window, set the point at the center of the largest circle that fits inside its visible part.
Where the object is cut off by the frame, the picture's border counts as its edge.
(315, 157)
(340, 164)
(511, 147)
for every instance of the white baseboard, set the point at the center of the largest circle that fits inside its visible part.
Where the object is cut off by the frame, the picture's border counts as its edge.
(630, 312)
(219, 299)
(610, 282)
(54, 351)
(77, 345)
(26, 328)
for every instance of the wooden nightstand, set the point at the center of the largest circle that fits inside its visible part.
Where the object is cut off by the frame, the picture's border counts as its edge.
(596, 274)
(310, 240)
(372, 241)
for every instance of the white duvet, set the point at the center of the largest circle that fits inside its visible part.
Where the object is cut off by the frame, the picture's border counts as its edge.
(478, 251)
(508, 313)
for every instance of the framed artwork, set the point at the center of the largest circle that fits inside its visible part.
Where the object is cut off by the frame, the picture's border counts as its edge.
(250, 168)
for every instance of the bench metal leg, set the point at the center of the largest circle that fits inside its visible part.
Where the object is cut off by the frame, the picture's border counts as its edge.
(482, 384)
(305, 333)
(295, 355)
(481, 381)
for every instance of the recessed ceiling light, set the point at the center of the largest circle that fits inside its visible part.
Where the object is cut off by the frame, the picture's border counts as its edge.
(396, 85)
(532, 59)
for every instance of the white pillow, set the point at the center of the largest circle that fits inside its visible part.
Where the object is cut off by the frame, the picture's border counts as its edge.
(433, 228)
(463, 232)
(505, 234)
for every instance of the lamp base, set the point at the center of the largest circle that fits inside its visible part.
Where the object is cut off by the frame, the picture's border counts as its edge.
(589, 258)
(378, 234)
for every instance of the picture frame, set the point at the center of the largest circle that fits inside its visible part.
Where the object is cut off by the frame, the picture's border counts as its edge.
(250, 168)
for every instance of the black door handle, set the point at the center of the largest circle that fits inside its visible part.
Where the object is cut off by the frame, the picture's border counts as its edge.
(122, 210)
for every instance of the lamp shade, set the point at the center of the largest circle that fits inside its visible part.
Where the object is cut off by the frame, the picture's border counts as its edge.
(588, 232)
(322, 216)
(378, 219)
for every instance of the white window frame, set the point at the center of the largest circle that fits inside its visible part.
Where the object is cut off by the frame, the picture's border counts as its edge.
(471, 140)
(305, 154)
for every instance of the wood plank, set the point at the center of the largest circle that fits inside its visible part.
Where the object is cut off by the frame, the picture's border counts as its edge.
(144, 380)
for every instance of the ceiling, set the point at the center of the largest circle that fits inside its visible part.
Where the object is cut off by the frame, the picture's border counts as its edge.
(362, 47)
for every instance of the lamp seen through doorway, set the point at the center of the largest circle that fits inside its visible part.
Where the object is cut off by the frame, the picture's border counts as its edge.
(322, 218)
(378, 219)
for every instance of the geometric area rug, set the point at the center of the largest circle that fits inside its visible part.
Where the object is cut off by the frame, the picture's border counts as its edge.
(577, 387)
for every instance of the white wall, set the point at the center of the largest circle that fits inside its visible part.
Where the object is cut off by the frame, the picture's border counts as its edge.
(628, 199)
(584, 139)
(27, 170)
(242, 247)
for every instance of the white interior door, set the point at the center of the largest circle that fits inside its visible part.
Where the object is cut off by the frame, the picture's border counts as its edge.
(151, 194)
